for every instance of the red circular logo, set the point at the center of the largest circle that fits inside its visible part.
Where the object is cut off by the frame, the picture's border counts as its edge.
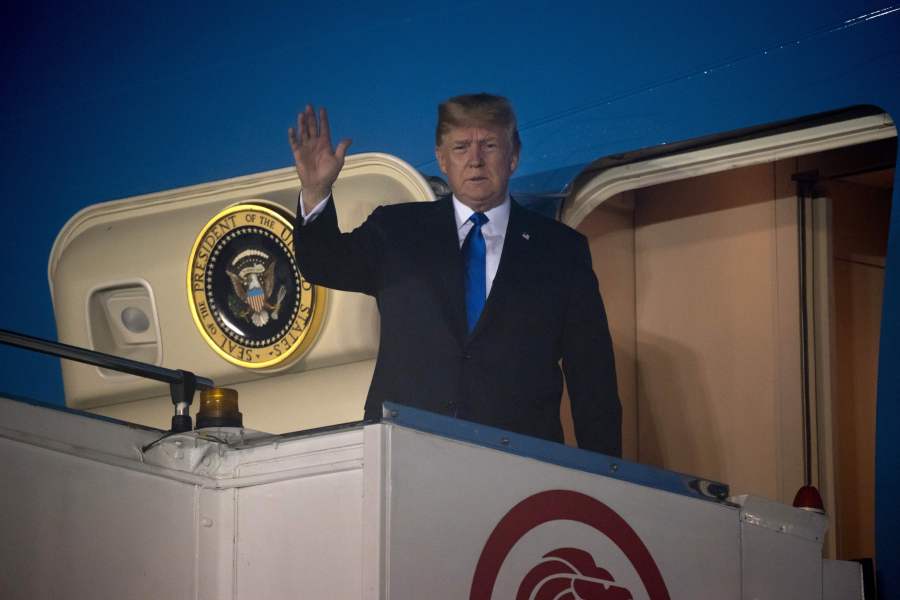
(565, 566)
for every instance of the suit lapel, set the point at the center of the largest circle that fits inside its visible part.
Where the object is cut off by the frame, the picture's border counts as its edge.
(447, 267)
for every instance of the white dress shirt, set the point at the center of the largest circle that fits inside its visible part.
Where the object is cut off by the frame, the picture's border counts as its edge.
(315, 211)
(494, 231)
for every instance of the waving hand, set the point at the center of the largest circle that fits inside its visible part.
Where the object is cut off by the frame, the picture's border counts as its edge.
(317, 163)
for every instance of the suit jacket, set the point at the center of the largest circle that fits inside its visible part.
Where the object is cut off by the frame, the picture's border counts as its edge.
(544, 307)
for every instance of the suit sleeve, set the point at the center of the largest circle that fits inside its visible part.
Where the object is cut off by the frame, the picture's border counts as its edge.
(342, 261)
(588, 362)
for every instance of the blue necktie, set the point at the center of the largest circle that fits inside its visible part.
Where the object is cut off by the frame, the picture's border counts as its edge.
(474, 253)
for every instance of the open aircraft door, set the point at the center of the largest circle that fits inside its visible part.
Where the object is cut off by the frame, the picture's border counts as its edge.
(146, 278)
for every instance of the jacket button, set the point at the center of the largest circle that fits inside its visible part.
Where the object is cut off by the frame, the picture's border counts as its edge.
(467, 356)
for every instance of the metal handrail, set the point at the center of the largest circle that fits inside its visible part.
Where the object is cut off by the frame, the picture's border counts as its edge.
(182, 384)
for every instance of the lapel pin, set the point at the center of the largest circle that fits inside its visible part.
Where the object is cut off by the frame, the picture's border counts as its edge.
(527, 236)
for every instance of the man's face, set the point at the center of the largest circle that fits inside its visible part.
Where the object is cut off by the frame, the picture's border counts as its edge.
(478, 162)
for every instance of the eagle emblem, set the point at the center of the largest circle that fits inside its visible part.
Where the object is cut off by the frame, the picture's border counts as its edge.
(249, 301)
(252, 275)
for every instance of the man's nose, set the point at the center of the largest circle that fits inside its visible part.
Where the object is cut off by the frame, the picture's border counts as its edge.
(476, 155)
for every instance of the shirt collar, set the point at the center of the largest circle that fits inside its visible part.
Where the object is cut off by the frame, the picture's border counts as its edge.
(498, 217)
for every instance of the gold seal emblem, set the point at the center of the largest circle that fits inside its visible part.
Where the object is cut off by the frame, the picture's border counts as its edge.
(249, 301)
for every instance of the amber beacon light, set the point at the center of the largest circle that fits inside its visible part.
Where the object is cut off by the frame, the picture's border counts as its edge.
(219, 408)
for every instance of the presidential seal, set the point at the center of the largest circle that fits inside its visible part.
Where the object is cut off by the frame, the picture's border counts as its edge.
(248, 299)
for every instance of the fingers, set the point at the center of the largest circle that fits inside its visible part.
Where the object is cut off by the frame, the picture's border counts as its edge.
(304, 124)
(312, 124)
(324, 128)
(309, 127)
(341, 151)
(295, 145)
(314, 132)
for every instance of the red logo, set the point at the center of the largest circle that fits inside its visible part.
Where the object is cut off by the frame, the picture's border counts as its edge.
(570, 574)
(565, 573)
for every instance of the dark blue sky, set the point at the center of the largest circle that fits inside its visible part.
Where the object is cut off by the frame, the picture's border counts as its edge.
(104, 100)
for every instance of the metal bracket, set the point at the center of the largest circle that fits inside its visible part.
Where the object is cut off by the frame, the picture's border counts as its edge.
(182, 393)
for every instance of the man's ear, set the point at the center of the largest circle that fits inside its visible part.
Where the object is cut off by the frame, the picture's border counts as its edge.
(440, 158)
(514, 161)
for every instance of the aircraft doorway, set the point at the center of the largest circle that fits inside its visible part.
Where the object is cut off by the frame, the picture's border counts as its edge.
(698, 258)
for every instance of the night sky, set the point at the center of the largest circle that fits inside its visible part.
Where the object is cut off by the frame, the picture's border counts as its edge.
(110, 100)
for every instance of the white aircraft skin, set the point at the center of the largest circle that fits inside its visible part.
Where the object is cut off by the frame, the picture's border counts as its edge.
(102, 103)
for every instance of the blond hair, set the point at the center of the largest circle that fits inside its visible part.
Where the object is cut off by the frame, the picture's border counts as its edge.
(477, 110)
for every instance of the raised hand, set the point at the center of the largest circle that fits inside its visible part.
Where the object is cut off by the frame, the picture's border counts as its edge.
(317, 163)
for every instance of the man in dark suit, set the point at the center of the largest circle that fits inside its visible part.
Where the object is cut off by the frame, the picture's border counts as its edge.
(480, 299)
